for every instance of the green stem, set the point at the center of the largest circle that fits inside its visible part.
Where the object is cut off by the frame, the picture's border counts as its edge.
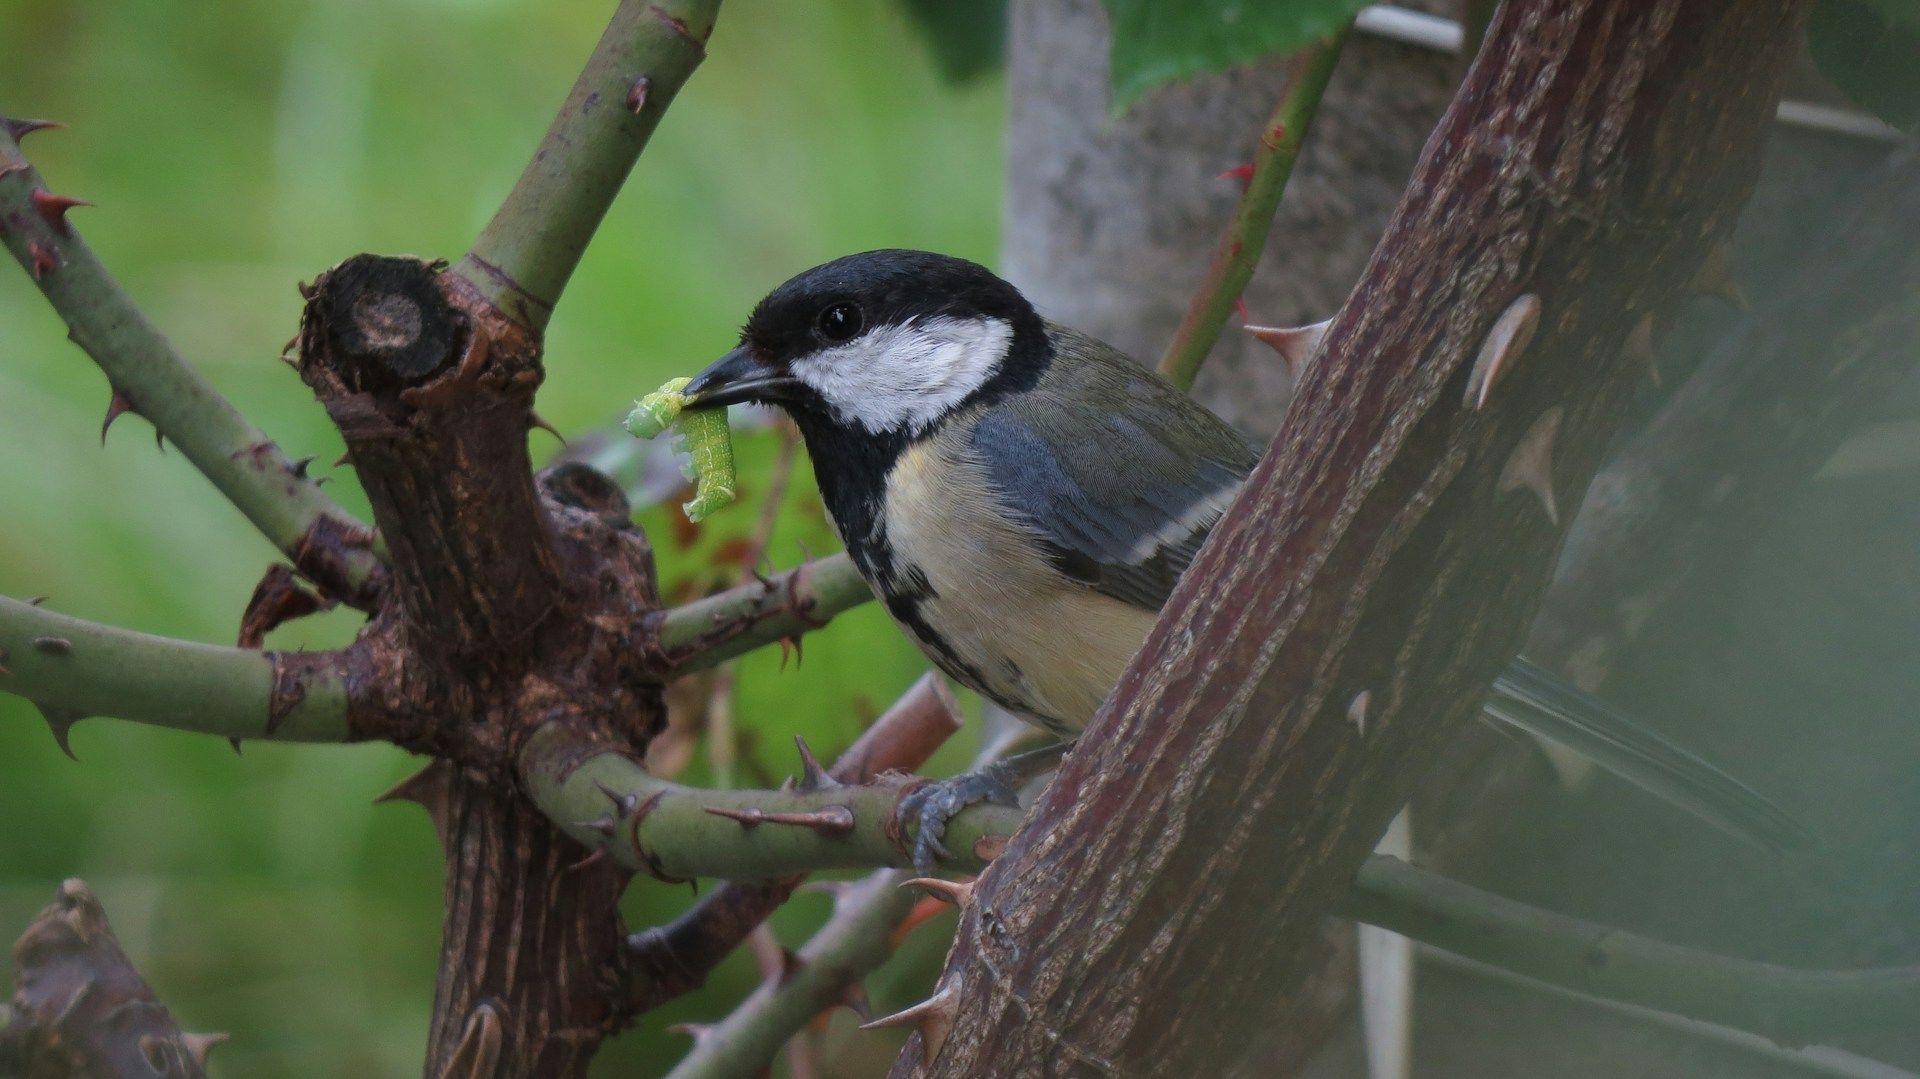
(1246, 236)
(73, 668)
(154, 380)
(726, 624)
(1791, 1006)
(853, 943)
(670, 833)
(523, 258)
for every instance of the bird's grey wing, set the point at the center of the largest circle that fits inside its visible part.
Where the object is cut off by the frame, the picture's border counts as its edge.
(1119, 472)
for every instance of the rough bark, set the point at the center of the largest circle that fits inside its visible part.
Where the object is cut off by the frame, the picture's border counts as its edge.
(511, 605)
(1592, 159)
(79, 1008)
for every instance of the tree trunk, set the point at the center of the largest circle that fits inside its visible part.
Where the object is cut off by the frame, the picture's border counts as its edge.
(1186, 854)
(510, 605)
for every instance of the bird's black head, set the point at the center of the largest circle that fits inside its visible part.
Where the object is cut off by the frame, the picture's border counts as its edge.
(882, 344)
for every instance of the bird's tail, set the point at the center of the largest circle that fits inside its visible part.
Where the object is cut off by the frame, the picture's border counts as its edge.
(1530, 698)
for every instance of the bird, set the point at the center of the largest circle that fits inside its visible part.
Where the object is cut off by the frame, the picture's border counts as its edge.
(1023, 498)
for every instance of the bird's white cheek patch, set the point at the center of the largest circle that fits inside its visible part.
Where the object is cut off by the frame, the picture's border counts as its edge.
(907, 376)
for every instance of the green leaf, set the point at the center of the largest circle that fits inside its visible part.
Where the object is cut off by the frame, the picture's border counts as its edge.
(968, 38)
(1869, 49)
(1156, 41)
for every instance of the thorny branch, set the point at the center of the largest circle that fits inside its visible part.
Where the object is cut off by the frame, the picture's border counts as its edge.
(827, 971)
(149, 377)
(523, 258)
(712, 630)
(73, 668)
(673, 959)
(1304, 672)
(608, 802)
(79, 1007)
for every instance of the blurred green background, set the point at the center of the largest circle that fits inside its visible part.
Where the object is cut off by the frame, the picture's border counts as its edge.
(235, 149)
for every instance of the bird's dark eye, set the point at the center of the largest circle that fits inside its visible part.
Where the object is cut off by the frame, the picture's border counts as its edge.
(838, 323)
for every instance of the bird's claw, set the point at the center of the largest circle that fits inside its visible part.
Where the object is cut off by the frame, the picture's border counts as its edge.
(928, 809)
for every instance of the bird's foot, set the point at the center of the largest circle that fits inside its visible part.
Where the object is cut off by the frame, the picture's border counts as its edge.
(928, 809)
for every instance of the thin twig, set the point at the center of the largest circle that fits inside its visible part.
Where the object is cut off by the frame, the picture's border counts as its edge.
(147, 376)
(523, 258)
(1788, 1005)
(73, 668)
(1246, 236)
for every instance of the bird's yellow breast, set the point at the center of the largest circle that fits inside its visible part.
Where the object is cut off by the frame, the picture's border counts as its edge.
(1009, 624)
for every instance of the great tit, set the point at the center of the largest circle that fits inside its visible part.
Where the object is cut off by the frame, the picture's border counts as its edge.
(1023, 499)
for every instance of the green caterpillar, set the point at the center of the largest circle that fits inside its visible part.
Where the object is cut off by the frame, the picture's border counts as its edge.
(702, 435)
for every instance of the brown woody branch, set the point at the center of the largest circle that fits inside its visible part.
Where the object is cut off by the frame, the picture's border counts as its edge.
(79, 1007)
(1347, 616)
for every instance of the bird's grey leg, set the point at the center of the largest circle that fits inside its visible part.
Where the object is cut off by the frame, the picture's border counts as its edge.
(930, 807)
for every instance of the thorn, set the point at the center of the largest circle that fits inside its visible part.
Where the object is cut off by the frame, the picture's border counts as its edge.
(53, 208)
(299, 467)
(159, 440)
(343, 459)
(813, 777)
(604, 825)
(60, 721)
(235, 743)
(42, 259)
(829, 820)
(854, 996)
(623, 804)
(933, 1016)
(117, 406)
(959, 893)
(199, 1045)
(598, 855)
(1511, 333)
(1531, 466)
(1242, 173)
(790, 643)
(637, 92)
(1715, 278)
(1240, 308)
(1357, 710)
(535, 420)
(53, 646)
(37, 601)
(428, 789)
(480, 1044)
(20, 129)
(1295, 344)
(276, 600)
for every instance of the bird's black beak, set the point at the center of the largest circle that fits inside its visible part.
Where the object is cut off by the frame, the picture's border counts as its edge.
(738, 377)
